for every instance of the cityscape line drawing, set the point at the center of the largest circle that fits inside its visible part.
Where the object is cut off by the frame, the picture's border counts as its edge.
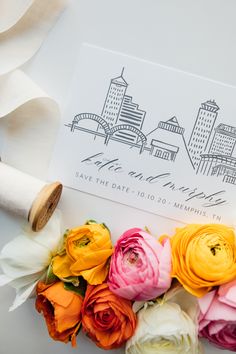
(210, 147)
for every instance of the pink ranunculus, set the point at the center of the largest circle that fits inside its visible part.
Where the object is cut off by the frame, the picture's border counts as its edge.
(140, 266)
(217, 320)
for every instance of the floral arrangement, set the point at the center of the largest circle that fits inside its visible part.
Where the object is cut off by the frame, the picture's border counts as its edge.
(145, 293)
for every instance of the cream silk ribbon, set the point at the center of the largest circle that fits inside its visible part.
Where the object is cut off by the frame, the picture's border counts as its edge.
(11, 11)
(31, 116)
(30, 119)
(31, 123)
(24, 24)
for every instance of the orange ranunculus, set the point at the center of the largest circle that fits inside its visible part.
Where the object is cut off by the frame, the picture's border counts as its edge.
(107, 318)
(88, 249)
(203, 256)
(61, 309)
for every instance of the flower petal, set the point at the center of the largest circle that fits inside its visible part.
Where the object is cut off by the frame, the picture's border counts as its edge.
(23, 294)
(25, 259)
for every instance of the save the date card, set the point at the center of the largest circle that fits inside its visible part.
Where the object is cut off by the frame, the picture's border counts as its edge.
(149, 136)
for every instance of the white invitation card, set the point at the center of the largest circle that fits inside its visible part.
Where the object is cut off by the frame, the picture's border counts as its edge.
(149, 136)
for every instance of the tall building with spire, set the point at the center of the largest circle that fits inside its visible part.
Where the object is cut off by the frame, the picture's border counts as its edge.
(114, 99)
(202, 130)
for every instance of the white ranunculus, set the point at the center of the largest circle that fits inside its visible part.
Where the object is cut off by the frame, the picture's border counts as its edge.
(167, 326)
(25, 259)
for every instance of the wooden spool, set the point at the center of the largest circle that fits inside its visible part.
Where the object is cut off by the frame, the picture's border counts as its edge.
(44, 205)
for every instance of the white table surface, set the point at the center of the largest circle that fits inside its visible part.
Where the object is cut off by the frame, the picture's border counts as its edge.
(197, 36)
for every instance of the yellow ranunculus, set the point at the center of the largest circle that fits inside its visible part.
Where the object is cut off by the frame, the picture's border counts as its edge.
(88, 249)
(203, 256)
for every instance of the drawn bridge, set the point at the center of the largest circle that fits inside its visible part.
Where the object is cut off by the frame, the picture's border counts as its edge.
(91, 116)
(108, 131)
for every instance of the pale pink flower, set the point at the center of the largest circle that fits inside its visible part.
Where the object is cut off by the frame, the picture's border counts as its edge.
(140, 266)
(217, 320)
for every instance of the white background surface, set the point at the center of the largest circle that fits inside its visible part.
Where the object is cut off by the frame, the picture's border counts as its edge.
(193, 35)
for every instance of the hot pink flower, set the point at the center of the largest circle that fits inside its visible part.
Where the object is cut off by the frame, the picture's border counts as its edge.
(140, 266)
(217, 321)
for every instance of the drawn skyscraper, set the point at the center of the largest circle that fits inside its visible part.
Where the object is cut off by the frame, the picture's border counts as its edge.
(202, 129)
(224, 140)
(219, 161)
(132, 115)
(114, 99)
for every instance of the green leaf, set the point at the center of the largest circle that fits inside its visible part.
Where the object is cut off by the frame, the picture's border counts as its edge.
(90, 222)
(80, 290)
(62, 249)
(73, 280)
(106, 227)
(50, 276)
(147, 230)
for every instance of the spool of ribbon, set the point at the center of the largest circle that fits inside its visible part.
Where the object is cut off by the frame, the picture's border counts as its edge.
(32, 116)
(28, 196)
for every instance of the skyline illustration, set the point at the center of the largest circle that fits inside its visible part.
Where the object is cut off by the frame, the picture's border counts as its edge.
(209, 149)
